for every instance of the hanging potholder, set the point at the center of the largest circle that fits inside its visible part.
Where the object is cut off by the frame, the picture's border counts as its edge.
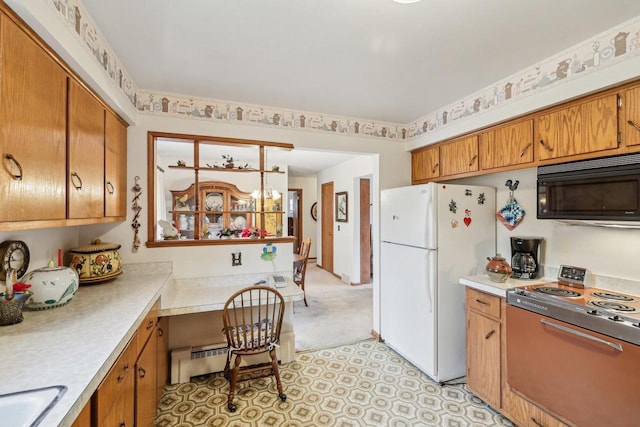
(511, 214)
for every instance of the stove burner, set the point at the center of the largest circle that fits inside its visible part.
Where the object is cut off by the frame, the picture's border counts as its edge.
(612, 305)
(557, 292)
(608, 295)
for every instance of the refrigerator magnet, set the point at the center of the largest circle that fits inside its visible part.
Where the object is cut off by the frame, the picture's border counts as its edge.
(453, 206)
(467, 217)
(454, 223)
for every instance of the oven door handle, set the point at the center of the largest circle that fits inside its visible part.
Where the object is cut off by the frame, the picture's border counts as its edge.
(581, 334)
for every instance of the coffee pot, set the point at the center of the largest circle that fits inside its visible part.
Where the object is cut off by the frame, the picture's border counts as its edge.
(525, 257)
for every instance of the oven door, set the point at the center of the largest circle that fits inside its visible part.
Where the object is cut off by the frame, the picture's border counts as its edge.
(587, 378)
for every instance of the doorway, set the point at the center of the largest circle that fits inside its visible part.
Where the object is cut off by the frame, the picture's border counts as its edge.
(366, 260)
(327, 226)
(294, 218)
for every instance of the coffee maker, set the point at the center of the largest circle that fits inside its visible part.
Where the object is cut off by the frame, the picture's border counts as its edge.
(525, 257)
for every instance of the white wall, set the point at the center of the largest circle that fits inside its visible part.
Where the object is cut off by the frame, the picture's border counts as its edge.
(345, 177)
(308, 184)
(603, 251)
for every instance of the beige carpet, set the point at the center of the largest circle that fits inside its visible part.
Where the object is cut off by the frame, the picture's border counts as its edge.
(363, 384)
(337, 314)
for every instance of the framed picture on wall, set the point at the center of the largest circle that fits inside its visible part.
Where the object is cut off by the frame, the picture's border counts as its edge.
(342, 207)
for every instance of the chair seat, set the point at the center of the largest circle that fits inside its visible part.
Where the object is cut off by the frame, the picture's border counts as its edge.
(255, 334)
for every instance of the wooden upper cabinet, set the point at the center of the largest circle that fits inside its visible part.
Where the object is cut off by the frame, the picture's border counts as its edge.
(425, 164)
(507, 145)
(460, 156)
(86, 154)
(583, 128)
(32, 129)
(631, 118)
(115, 167)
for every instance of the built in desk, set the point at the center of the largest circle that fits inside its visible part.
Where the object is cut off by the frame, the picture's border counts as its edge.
(196, 341)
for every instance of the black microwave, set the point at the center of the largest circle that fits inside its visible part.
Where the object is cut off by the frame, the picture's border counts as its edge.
(605, 189)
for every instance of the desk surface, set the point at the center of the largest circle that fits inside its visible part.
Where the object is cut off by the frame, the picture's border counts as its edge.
(197, 297)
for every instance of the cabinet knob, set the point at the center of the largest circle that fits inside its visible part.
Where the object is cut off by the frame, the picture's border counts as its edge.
(491, 332)
(473, 159)
(110, 188)
(76, 181)
(433, 170)
(13, 160)
(142, 372)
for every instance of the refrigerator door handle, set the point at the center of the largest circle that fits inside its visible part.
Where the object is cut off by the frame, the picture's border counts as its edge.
(431, 271)
(430, 228)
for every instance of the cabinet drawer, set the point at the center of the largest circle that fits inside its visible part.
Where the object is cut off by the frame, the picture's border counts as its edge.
(483, 303)
(146, 327)
(115, 382)
(526, 414)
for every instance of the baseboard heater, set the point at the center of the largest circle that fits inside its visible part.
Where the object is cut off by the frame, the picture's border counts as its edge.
(187, 362)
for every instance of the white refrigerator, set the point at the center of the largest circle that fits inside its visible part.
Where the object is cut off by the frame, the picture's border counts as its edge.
(431, 235)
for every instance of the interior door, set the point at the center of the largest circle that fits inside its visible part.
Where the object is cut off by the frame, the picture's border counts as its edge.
(365, 231)
(327, 226)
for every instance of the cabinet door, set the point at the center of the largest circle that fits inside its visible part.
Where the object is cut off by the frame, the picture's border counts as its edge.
(425, 164)
(115, 166)
(507, 145)
(84, 417)
(32, 129)
(122, 413)
(459, 157)
(631, 119)
(483, 357)
(146, 383)
(163, 357)
(86, 154)
(579, 129)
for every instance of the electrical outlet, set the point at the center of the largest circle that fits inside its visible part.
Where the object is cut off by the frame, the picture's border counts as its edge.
(236, 259)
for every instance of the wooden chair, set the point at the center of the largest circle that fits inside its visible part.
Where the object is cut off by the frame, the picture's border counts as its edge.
(252, 322)
(301, 269)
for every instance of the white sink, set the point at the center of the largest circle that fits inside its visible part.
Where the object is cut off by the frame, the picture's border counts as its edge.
(27, 408)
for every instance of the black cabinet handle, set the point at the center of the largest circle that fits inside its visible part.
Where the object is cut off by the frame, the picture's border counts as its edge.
(491, 332)
(17, 164)
(77, 182)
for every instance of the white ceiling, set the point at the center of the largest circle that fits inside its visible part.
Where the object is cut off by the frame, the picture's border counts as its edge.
(369, 59)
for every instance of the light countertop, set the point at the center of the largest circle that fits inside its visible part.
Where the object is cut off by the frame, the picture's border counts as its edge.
(482, 283)
(75, 345)
(199, 295)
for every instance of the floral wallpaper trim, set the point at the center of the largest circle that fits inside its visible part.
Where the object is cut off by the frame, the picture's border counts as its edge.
(607, 48)
(248, 114)
(80, 24)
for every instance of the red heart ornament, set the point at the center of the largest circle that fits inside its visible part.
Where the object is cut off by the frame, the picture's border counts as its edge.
(467, 221)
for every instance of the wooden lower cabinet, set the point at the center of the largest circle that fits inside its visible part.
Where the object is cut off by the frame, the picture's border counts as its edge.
(483, 357)
(127, 395)
(487, 365)
(162, 330)
(146, 386)
(84, 417)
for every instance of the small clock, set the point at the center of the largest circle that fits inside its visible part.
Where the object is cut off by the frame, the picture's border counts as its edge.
(14, 254)
(314, 211)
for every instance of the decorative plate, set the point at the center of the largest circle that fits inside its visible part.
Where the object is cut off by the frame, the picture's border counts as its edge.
(213, 202)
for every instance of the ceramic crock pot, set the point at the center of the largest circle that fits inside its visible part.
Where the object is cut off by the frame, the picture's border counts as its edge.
(51, 287)
(498, 269)
(96, 262)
